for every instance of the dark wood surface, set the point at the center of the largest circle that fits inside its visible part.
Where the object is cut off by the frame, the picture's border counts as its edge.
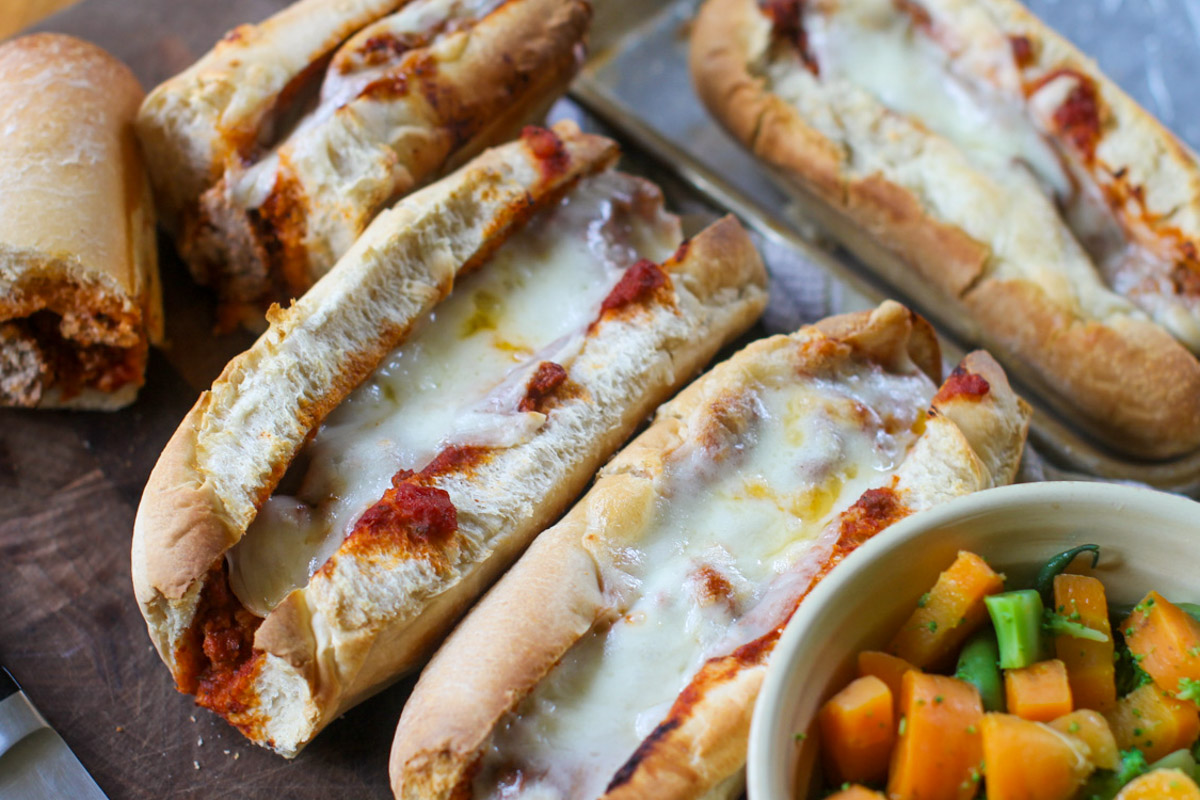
(70, 630)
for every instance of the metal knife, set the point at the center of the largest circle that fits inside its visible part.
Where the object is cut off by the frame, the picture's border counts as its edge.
(35, 763)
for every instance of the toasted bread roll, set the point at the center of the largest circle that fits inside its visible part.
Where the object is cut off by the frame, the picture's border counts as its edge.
(966, 147)
(576, 309)
(79, 294)
(400, 101)
(225, 106)
(622, 654)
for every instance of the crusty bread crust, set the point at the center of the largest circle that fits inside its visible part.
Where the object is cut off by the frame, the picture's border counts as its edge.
(554, 595)
(366, 617)
(1127, 380)
(76, 215)
(193, 124)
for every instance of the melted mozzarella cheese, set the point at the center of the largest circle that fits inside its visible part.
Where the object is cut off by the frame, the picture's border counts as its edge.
(726, 531)
(967, 150)
(880, 50)
(457, 380)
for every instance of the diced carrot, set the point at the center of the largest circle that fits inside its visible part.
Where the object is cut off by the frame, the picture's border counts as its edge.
(1092, 729)
(1161, 784)
(951, 611)
(1089, 664)
(888, 668)
(858, 731)
(1154, 722)
(1039, 692)
(856, 792)
(1030, 760)
(1166, 640)
(938, 754)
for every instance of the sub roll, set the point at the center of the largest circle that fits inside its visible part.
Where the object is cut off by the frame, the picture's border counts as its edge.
(79, 295)
(278, 148)
(977, 158)
(359, 476)
(621, 656)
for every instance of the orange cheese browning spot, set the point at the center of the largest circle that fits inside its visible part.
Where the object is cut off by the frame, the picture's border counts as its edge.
(384, 48)
(875, 510)
(712, 587)
(1022, 50)
(639, 283)
(1077, 118)
(963, 385)
(421, 69)
(545, 145)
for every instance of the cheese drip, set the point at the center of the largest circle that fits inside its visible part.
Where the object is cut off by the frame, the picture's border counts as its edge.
(906, 108)
(458, 380)
(729, 528)
(879, 48)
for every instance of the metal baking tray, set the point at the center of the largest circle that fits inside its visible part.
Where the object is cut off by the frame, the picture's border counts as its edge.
(637, 83)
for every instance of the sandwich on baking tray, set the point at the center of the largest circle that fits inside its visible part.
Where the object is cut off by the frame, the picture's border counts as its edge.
(621, 656)
(354, 480)
(965, 143)
(274, 151)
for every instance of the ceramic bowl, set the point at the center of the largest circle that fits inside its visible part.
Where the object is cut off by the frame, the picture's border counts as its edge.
(1148, 539)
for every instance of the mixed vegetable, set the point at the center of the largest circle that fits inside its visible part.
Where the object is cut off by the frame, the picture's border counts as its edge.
(1028, 694)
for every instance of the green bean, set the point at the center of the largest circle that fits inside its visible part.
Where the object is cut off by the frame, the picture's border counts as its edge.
(1181, 760)
(1045, 576)
(978, 665)
(1017, 618)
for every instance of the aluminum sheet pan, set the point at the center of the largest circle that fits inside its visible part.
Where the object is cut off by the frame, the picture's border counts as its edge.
(638, 84)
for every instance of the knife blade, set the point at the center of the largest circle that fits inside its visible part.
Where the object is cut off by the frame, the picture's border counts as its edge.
(35, 763)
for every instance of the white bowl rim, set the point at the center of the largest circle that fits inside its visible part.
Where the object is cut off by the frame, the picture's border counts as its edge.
(767, 712)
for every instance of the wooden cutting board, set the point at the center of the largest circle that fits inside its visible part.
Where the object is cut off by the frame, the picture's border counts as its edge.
(70, 630)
